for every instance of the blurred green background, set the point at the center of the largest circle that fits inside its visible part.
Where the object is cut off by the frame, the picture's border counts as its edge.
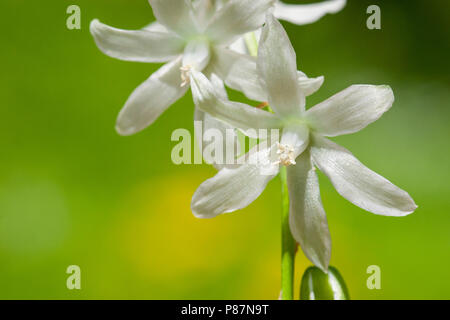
(74, 192)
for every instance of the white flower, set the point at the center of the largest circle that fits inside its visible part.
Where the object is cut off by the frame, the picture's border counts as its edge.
(302, 14)
(188, 35)
(299, 14)
(303, 147)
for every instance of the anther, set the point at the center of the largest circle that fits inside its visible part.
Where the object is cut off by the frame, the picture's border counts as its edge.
(286, 156)
(185, 75)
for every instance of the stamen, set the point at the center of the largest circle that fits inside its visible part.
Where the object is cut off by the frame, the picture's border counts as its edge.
(185, 75)
(262, 105)
(286, 156)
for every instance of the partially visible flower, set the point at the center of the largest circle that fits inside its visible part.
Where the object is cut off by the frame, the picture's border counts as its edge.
(188, 35)
(302, 14)
(303, 147)
(299, 14)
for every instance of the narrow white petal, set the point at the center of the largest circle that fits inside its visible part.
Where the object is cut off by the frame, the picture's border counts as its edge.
(232, 189)
(301, 14)
(230, 142)
(196, 54)
(350, 110)
(156, 26)
(136, 45)
(307, 218)
(219, 87)
(151, 99)
(238, 71)
(204, 10)
(309, 85)
(176, 15)
(239, 115)
(357, 183)
(219, 3)
(239, 46)
(208, 122)
(278, 68)
(236, 18)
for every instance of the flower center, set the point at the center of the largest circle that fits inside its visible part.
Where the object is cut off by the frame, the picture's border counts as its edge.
(185, 71)
(286, 156)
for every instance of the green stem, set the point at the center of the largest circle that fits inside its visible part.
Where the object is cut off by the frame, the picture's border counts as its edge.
(251, 43)
(288, 244)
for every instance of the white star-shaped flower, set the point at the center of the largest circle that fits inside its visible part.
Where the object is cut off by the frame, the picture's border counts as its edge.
(303, 147)
(189, 35)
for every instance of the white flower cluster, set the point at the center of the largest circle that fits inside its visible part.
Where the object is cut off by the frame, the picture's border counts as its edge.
(197, 40)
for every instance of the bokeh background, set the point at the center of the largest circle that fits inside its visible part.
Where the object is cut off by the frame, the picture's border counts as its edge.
(74, 192)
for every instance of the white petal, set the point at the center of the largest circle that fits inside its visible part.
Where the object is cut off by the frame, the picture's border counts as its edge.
(239, 46)
(309, 85)
(236, 18)
(350, 110)
(219, 87)
(151, 99)
(358, 184)
(238, 71)
(307, 218)
(278, 68)
(203, 9)
(236, 114)
(176, 15)
(232, 189)
(156, 26)
(136, 45)
(307, 13)
(219, 3)
(231, 141)
(208, 122)
(196, 54)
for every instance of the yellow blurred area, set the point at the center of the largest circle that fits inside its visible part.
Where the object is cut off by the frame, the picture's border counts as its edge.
(164, 242)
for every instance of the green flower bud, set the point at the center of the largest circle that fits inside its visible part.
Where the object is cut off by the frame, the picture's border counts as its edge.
(318, 285)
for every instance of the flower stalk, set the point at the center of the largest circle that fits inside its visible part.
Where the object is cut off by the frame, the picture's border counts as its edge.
(288, 244)
(252, 43)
